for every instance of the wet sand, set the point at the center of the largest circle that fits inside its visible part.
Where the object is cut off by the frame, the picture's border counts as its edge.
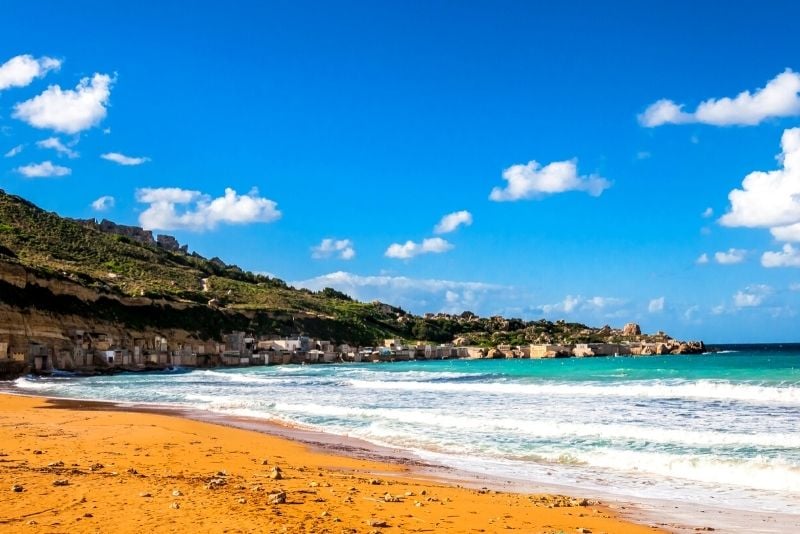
(76, 466)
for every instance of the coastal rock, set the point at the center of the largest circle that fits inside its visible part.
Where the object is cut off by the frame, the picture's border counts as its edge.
(377, 523)
(16, 488)
(276, 473)
(631, 329)
(61, 482)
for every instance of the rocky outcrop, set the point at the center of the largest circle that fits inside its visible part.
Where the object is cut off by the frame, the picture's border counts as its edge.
(631, 329)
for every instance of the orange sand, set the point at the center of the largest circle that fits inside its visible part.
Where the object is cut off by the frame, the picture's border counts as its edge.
(143, 472)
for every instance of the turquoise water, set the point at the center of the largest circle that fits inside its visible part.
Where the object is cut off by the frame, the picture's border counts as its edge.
(721, 428)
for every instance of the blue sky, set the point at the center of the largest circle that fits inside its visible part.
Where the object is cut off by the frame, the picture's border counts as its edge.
(365, 123)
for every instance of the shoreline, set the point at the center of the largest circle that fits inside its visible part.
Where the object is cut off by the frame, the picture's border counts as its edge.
(664, 515)
(61, 429)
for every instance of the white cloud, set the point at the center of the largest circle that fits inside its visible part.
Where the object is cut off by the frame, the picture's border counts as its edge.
(708, 212)
(414, 294)
(779, 98)
(122, 159)
(788, 257)
(573, 304)
(771, 199)
(452, 221)
(68, 111)
(56, 144)
(172, 208)
(751, 296)
(409, 249)
(534, 181)
(691, 312)
(343, 248)
(732, 256)
(702, 259)
(656, 305)
(46, 169)
(103, 203)
(20, 71)
(14, 151)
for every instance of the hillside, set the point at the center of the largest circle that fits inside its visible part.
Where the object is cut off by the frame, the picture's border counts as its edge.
(74, 272)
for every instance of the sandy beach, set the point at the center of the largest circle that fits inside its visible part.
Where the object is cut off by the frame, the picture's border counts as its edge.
(77, 467)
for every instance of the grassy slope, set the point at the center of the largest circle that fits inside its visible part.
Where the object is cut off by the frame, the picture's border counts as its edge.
(60, 247)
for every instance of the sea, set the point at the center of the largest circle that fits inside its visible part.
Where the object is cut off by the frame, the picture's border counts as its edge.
(720, 429)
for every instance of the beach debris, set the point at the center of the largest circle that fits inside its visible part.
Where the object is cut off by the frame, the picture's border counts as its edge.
(388, 497)
(377, 523)
(16, 488)
(145, 494)
(96, 467)
(277, 498)
(177, 493)
(61, 482)
(276, 473)
(175, 505)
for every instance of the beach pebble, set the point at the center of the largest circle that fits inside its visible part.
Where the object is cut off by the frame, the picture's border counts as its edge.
(277, 498)
(175, 506)
(145, 494)
(313, 484)
(37, 451)
(177, 493)
(375, 482)
(377, 523)
(582, 530)
(242, 500)
(388, 497)
(32, 522)
(222, 473)
(409, 494)
(16, 488)
(56, 464)
(88, 515)
(61, 482)
(96, 467)
(264, 462)
(276, 473)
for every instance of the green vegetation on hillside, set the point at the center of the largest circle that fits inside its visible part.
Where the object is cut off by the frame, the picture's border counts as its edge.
(225, 296)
